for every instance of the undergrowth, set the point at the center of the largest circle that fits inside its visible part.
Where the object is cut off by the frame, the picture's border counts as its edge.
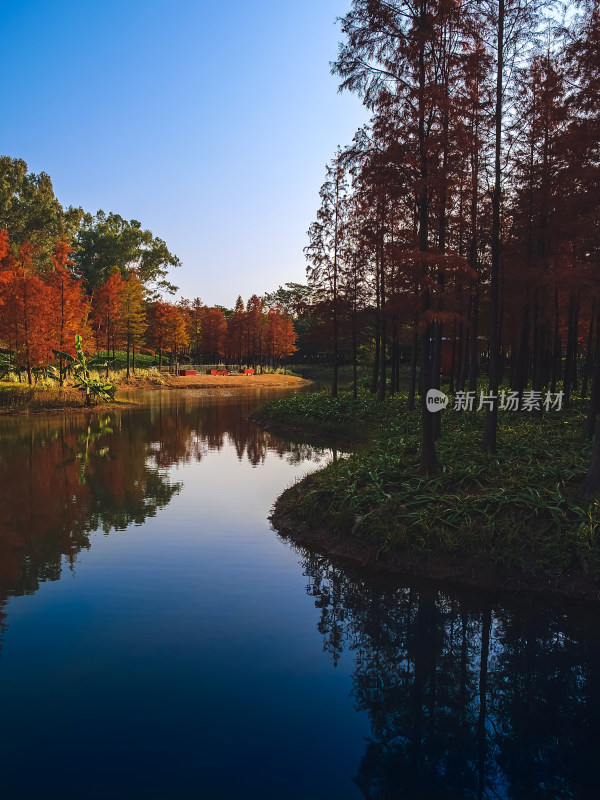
(517, 509)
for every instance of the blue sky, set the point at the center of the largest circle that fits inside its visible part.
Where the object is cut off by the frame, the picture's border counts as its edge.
(209, 122)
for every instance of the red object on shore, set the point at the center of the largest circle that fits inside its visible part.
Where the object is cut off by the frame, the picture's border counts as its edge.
(248, 372)
(184, 372)
(219, 372)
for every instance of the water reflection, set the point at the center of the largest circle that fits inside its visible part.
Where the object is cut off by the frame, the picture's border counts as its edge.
(466, 699)
(64, 477)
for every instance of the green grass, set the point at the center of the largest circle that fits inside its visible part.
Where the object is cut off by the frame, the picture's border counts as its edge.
(517, 510)
(322, 374)
(142, 361)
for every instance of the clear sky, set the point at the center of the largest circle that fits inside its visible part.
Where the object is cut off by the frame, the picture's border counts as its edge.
(209, 122)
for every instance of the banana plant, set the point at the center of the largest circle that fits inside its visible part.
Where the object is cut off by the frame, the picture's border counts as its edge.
(80, 365)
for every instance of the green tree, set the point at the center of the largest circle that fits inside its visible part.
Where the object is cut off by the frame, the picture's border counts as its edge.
(325, 249)
(133, 316)
(106, 240)
(30, 211)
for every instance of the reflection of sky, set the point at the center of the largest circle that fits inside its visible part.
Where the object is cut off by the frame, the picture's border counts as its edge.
(183, 658)
(187, 643)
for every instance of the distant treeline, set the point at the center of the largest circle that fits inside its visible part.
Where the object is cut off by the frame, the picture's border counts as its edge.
(65, 272)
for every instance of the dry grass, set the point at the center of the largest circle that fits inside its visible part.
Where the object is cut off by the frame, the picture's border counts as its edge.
(211, 381)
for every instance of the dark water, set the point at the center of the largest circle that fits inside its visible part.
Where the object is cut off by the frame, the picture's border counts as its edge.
(160, 641)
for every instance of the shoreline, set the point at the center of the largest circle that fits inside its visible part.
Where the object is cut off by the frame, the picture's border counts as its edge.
(70, 402)
(348, 549)
(506, 556)
(340, 439)
(212, 382)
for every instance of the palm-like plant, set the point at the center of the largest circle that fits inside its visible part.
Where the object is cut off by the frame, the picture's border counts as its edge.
(95, 390)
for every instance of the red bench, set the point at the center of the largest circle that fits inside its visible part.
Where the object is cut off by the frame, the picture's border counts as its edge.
(219, 372)
(248, 372)
(184, 372)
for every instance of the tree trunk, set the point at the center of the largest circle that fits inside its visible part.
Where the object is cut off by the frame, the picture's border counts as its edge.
(354, 361)
(428, 463)
(591, 484)
(412, 380)
(382, 347)
(570, 360)
(557, 348)
(491, 420)
(474, 359)
(588, 355)
(594, 406)
(107, 345)
(453, 359)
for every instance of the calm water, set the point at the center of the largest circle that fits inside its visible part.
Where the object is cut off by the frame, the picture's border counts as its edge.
(158, 640)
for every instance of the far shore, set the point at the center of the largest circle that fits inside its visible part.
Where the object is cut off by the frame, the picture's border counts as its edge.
(233, 381)
(53, 400)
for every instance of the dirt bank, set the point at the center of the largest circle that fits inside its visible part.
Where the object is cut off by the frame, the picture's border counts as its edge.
(574, 585)
(212, 382)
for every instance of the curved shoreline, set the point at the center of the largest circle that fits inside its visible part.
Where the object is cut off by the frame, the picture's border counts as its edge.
(348, 548)
(342, 440)
(302, 514)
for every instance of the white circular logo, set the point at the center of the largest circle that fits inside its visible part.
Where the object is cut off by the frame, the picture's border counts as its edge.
(436, 400)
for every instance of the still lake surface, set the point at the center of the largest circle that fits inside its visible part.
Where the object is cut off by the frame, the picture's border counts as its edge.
(159, 641)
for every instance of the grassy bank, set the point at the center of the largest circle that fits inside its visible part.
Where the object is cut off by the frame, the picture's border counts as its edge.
(512, 520)
(19, 398)
(46, 395)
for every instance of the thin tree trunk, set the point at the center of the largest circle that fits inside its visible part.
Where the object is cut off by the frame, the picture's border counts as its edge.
(594, 406)
(557, 348)
(374, 379)
(491, 421)
(522, 366)
(453, 358)
(569, 381)
(589, 354)
(412, 379)
(107, 344)
(428, 463)
(382, 347)
(474, 360)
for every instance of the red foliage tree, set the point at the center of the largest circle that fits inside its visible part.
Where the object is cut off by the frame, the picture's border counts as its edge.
(106, 309)
(26, 305)
(214, 334)
(69, 306)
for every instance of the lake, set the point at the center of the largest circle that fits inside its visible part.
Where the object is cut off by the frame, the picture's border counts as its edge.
(159, 641)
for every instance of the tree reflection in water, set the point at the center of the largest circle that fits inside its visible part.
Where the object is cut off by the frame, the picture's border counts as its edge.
(64, 477)
(466, 699)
